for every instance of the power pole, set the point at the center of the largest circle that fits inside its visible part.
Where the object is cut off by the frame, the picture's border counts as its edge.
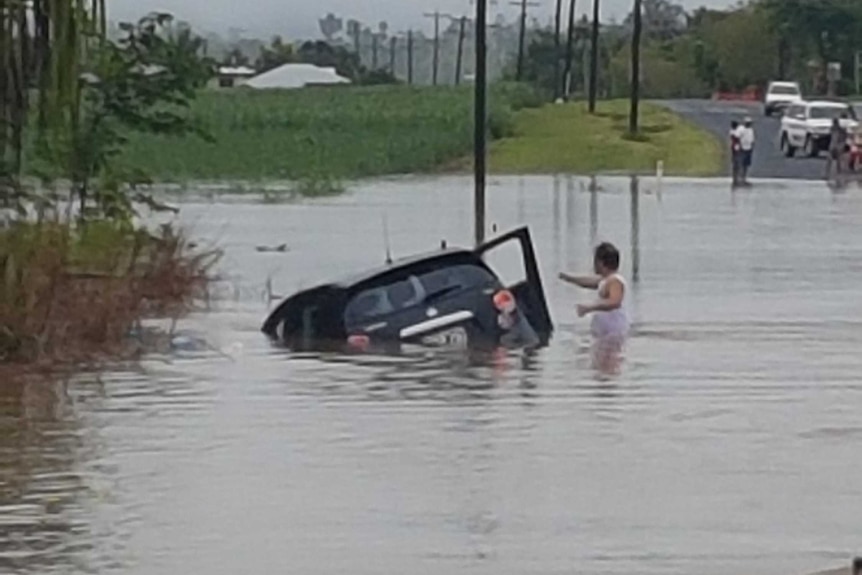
(570, 50)
(522, 35)
(393, 42)
(410, 57)
(637, 26)
(480, 130)
(374, 40)
(461, 29)
(594, 57)
(558, 16)
(436, 15)
(858, 74)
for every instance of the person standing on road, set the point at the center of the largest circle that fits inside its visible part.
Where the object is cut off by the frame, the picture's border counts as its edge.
(837, 148)
(735, 152)
(746, 145)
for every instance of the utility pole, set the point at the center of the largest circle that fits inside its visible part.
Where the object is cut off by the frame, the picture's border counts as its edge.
(436, 15)
(858, 74)
(522, 34)
(462, 25)
(558, 16)
(637, 26)
(410, 57)
(393, 42)
(594, 57)
(480, 130)
(570, 50)
(374, 40)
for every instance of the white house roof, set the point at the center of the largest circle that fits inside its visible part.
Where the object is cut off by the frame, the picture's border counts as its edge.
(296, 76)
(237, 71)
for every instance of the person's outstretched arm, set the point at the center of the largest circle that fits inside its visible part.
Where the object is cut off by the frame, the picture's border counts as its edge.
(586, 282)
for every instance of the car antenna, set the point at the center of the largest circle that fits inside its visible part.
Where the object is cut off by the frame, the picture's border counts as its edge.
(386, 239)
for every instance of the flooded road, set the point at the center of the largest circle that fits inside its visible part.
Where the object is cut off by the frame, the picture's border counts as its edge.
(729, 445)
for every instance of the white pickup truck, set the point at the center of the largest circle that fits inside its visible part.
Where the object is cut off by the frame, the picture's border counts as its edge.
(779, 95)
(807, 125)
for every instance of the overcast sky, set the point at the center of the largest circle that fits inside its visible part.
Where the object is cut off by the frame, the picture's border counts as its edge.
(293, 18)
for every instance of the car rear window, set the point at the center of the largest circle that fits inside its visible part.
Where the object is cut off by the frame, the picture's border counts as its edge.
(375, 303)
(784, 90)
(831, 112)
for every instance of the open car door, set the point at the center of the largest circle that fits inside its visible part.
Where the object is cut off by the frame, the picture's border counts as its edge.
(527, 283)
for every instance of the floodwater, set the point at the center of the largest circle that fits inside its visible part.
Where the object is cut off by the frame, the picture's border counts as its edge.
(728, 445)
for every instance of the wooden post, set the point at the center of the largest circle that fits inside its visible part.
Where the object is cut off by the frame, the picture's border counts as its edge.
(636, 68)
(461, 29)
(594, 57)
(570, 51)
(558, 16)
(410, 57)
(480, 94)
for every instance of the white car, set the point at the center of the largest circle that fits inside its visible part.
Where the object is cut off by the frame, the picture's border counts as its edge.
(779, 95)
(807, 125)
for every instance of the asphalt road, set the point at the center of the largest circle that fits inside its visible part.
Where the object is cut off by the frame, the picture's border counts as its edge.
(768, 161)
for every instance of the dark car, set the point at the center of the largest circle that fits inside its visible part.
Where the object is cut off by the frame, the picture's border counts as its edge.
(449, 296)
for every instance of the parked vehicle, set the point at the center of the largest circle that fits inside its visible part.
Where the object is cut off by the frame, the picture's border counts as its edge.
(449, 297)
(807, 125)
(779, 95)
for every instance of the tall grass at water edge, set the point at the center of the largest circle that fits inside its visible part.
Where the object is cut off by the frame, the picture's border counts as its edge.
(323, 133)
(71, 293)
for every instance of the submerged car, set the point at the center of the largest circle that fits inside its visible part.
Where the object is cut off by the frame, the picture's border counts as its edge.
(451, 296)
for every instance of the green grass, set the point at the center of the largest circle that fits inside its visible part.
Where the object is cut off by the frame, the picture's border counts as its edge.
(567, 139)
(324, 133)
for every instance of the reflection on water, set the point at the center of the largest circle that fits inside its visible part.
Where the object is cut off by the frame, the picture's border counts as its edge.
(724, 447)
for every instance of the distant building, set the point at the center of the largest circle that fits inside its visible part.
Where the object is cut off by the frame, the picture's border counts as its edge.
(232, 77)
(292, 76)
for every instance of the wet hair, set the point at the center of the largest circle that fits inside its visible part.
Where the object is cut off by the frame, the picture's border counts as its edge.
(734, 124)
(608, 255)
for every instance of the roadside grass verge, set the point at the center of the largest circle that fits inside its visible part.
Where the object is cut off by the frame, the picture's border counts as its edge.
(565, 138)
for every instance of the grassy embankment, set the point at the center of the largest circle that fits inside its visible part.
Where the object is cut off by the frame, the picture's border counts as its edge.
(567, 139)
(322, 134)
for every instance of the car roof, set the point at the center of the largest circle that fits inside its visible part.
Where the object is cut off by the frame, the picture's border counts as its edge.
(784, 83)
(446, 256)
(827, 104)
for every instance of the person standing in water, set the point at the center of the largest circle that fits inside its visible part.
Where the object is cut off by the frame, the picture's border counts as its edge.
(610, 323)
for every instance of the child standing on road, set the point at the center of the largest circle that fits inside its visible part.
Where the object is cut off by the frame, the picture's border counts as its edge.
(610, 323)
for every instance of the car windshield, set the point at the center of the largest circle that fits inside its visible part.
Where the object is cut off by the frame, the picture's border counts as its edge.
(831, 112)
(784, 90)
(375, 303)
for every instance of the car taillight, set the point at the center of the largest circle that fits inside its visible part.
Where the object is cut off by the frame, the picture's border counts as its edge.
(506, 305)
(359, 342)
(504, 301)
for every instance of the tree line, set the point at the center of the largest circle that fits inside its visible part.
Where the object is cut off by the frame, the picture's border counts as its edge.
(693, 54)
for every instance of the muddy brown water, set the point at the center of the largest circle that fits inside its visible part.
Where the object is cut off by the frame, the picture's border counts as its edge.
(730, 443)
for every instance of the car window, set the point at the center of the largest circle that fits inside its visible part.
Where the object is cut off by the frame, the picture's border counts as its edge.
(456, 278)
(373, 304)
(784, 90)
(830, 112)
(795, 112)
